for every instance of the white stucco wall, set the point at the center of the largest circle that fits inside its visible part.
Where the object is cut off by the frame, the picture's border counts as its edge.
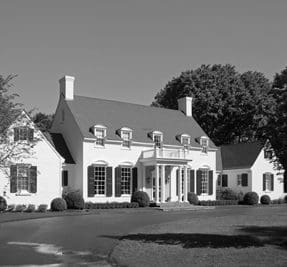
(261, 166)
(48, 164)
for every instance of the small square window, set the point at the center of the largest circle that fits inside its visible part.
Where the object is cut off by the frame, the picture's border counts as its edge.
(100, 134)
(157, 138)
(126, 136)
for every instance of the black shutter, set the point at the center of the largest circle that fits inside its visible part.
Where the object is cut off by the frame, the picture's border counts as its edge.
(91, 181)
(191, 181)
(272, 182)
(135, 179)
(264, 181)
(210, 182)
(13, 178)
(64, 178)
(244, 178)
(33, 179)
(118, 179)
(224, 180)
(198, 182)
(30, 134)
(109, 191)
(16, 134)
(177, 177)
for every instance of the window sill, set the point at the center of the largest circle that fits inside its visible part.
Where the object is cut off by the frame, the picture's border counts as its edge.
(125, 148)
(23, 193)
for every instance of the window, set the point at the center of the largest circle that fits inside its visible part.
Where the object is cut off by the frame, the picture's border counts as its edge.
(126, 180)
(224, 180)
(157, 138)
(268, 182)
(126, 136)
(218, 180)
(268, 154)
(64, 178)
(204, 144)
(22, 178)
(242, 179)
(23, 134)
(204, 181)
(100, 180)
(185, 140)
(100, 134)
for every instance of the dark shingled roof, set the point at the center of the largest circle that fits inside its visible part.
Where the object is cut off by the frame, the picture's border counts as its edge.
(58, 142)
(141, 119)
(241, 155)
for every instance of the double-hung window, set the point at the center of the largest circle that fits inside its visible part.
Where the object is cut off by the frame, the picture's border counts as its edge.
(100, 180)
(100, 133)
(23, 133)
(157, 139)
(268, 154)
(204, 144)
(204, 181)
(268, 182)
(185, 140)
(126, 175)
(23, 178)
(126, 136)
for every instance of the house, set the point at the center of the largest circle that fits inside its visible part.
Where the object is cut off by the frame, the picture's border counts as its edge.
(122, 147)
(249, 167)
(32, 177)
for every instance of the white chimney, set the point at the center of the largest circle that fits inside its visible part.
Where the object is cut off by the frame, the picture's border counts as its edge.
(67, 87)
(185, 105)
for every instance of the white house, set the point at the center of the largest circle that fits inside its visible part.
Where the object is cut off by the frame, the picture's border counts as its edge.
(35, 176)
(248, 167)
(122, 147)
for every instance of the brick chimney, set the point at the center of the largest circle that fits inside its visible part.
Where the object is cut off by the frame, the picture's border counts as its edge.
(185, 105)
(67, 87)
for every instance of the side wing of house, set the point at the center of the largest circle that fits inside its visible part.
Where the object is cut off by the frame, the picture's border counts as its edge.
(266, 178)
(33, 177)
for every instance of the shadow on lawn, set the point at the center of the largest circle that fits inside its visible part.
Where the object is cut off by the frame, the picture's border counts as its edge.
(254, 237)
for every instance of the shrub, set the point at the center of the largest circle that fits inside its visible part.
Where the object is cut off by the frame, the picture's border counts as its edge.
(113, 205)
(265, 200)
(42, 208)
(141, 198)
(11, 207)
(229, 194)
(251, 198)
(192, 198)
(74, 200)
(217, 202)
(30, 208)
(89, 205)
(278, 201)
(3, 204)
(58, 204)
(20, 208)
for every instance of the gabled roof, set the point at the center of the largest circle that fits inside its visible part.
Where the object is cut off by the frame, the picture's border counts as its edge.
(141, 119)
(58, 142)
(241, 155)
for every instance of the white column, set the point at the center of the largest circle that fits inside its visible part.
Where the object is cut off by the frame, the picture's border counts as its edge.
(179, 184)
(185, 184)
(162, 183)
(156, 183)
(143, 178)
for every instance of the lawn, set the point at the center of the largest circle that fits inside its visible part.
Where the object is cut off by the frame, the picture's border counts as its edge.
(251, 237)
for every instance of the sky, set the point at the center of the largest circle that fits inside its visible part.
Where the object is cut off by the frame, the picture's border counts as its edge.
(128, 50)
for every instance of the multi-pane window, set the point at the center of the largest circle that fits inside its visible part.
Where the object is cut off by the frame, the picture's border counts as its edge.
(126, 136)
(100, 134)
(268, 154)
(22, 177)
(204, 181)
(100, 180)
(185, 141)
(204, 144)
(268, 182)
(239, 179)
(157, 138)
(126, 180)
(23, 134)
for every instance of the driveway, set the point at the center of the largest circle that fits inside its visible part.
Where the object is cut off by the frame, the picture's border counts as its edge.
(85, 239)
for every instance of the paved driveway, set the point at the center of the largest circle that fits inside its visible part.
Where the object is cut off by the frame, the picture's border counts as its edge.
(81, 239)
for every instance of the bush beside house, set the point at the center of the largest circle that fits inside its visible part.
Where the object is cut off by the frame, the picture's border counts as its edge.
(265, 200)
(141, 198)
(192, 198)
(74, 200)
(58, 204)
(251, 198)
(3, 204)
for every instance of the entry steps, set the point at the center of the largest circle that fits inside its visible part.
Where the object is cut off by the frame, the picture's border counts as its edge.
(173, 206)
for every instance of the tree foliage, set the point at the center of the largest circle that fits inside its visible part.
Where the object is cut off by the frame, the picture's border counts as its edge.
(229, 106)
(43, 121)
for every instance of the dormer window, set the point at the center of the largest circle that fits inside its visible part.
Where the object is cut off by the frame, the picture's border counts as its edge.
(100, 133)
(126, 135)
(157, 138)
(23, 134)
(204, 142)
(185, 140)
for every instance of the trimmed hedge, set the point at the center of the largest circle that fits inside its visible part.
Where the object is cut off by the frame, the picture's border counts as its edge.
(20, 208)
(217, 202)
(30, 208)
(251, 198)
(58, 204)
(3, 204)
(141, 198)
(277, 201)
(42, 208)
(192, 198)
(113, 205)
(74, 200)
(265, 200)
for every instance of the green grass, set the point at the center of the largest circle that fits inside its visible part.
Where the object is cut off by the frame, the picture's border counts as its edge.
(251, 237)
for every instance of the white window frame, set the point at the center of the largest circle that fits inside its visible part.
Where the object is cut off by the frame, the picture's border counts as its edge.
(157, 134)
(204, 145)
(205, 181)
(126, 141)
(126, 191)
(187, 137)
(100, 141)
(239, 179)
(27, 167)
(105, 179)
(268, 182)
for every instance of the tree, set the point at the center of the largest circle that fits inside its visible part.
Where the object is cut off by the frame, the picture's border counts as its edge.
(229, 106)
(43, 121)
(10, 111)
